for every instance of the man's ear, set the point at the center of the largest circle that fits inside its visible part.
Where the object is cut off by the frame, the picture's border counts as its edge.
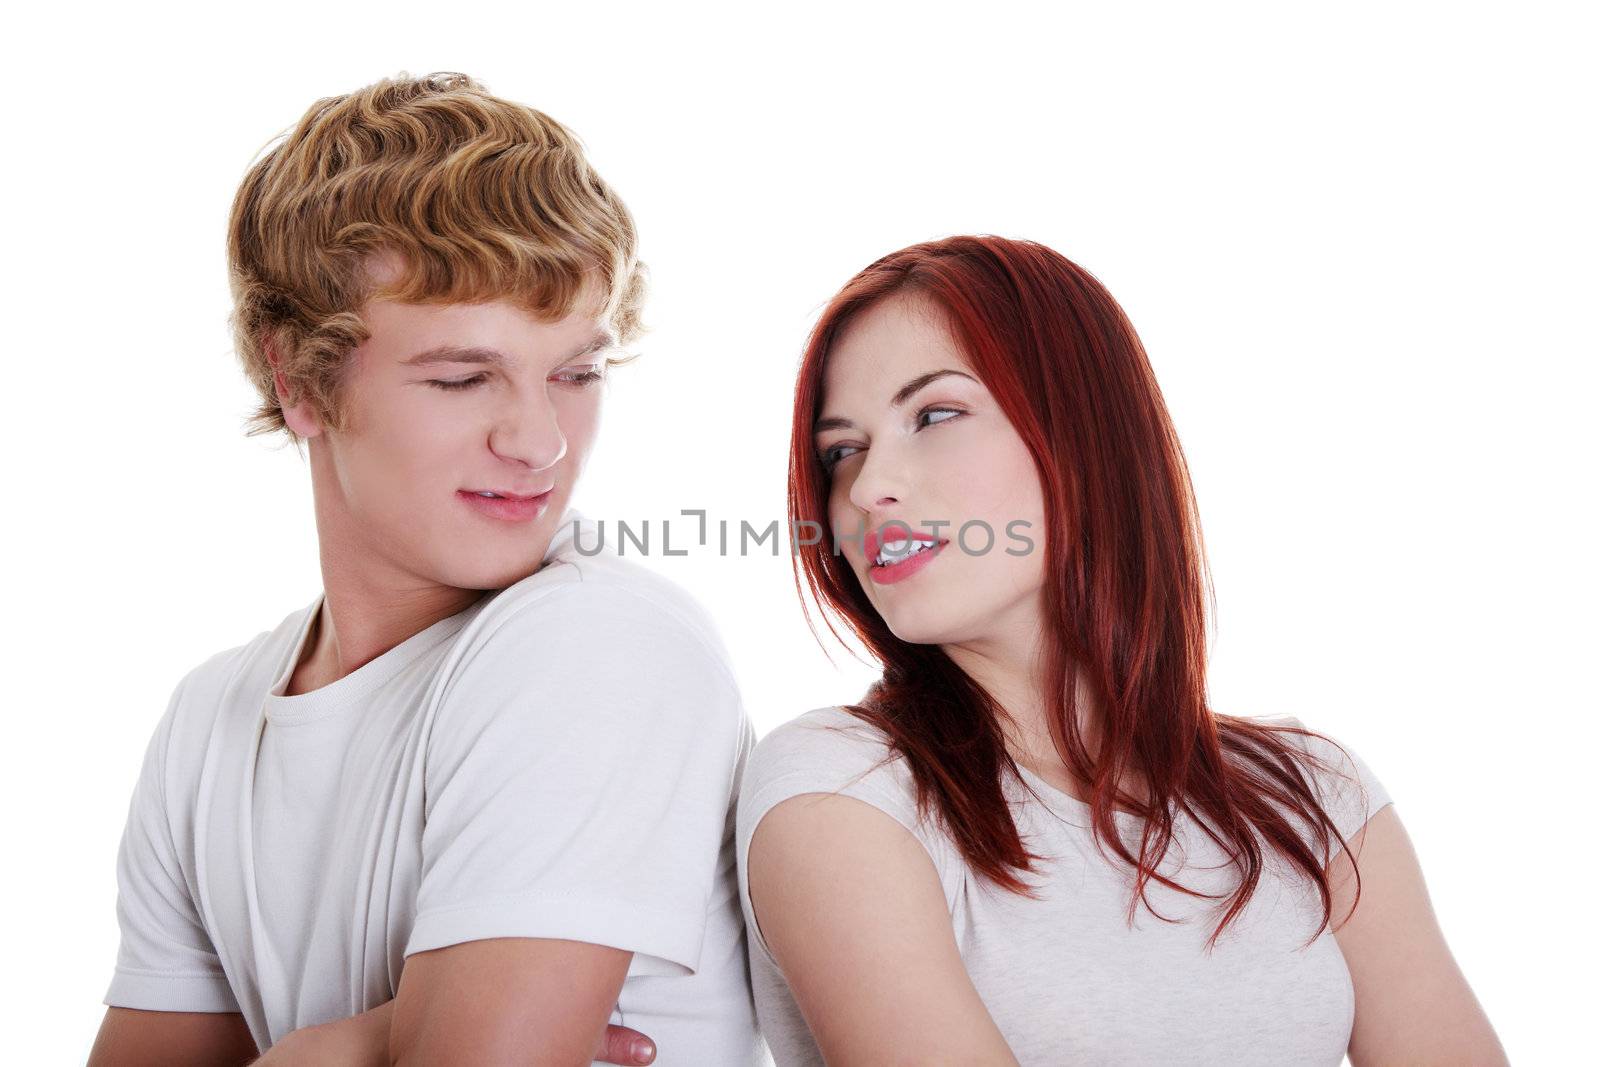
(299, 414)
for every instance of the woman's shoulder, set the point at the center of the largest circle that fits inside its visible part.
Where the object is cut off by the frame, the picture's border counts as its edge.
(1349, 790)
(827, 750)
(831, 750)
(832, 735)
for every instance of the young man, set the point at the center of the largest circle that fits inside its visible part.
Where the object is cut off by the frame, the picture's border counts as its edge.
(474, 802)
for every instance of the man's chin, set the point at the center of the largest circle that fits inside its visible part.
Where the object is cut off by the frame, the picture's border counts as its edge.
(479, 576)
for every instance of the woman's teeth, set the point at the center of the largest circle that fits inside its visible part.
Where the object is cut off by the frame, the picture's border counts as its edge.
(895, 551)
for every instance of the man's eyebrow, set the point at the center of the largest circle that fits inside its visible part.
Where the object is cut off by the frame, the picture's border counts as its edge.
(906, 392)
(477, 354)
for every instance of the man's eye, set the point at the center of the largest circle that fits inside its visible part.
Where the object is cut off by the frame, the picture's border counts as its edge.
(459, 383)
(583, 377)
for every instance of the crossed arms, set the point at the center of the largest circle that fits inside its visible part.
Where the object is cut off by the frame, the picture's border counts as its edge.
(551, 723)
(496, 1001)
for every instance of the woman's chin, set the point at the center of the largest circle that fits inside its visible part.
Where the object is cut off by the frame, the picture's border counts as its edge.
(918, 627)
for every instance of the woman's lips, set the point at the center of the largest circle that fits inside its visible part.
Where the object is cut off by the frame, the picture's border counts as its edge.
(905, 568)
(891, 531)
(508, 509)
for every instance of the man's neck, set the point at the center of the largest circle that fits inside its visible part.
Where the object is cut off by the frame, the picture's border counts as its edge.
(346, 635)
(369, 605)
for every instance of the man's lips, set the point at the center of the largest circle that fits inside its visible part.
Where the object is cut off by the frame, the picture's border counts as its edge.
(509, 494)
(507, 508)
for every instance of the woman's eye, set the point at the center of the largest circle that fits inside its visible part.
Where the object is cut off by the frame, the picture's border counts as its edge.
(832, 455)
(927, 413)
(460, 383)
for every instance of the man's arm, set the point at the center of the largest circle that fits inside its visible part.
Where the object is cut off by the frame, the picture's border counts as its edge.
(591, 724)
(169, 996)
(506, 1000)
(1413, 1004)
(364, 1041)
(129, 1037)
(850, 905)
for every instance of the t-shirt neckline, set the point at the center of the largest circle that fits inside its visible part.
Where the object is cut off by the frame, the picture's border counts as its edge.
(282, 710)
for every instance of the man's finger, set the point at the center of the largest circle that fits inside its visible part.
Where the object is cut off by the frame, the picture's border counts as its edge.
(627, 1047)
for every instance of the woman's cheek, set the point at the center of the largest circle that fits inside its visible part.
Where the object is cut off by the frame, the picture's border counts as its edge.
(1008, 477)
(977, 486)
(845, 524)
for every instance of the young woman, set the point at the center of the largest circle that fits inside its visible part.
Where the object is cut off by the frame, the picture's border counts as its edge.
(1033, 841)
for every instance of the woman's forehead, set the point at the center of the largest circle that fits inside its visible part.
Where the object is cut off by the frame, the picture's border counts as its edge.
(886, 345)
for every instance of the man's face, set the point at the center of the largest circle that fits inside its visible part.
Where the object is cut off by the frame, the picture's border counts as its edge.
(448, 402)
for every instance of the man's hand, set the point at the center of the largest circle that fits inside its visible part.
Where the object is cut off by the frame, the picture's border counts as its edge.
(363, 1041)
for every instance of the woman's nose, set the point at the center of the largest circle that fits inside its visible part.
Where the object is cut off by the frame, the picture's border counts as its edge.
(879, 482)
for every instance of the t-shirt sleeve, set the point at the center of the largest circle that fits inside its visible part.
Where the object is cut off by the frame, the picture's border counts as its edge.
(579, 777)
(829, 750)
(166, 960)
(1350, 792)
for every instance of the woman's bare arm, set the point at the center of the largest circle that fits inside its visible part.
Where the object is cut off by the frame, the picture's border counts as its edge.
(850, 905)
(1413, 1004)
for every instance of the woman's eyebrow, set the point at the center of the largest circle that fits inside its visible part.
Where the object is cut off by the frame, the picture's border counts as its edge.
(906, 392)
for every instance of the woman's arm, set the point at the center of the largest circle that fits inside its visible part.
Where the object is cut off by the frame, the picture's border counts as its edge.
(850, 906)
(1413, 1004)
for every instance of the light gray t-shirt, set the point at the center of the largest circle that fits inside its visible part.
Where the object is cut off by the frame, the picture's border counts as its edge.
(560, 760)
(1064, 977)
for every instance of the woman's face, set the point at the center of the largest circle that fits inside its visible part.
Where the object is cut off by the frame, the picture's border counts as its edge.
(920, 453)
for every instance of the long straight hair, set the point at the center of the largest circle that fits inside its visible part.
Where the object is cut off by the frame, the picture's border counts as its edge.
(1126, 585)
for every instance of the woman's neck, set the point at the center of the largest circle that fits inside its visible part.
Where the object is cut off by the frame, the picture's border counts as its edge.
(1012, 673)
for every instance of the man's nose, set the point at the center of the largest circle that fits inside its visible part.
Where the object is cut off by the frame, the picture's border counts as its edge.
(529, 433)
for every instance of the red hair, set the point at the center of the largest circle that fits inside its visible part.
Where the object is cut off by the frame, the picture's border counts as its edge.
(1125, 585)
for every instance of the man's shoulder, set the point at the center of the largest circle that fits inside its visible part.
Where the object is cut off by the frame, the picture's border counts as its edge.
(632, 649)
(610, 599)
(226, 681)
(207, 706)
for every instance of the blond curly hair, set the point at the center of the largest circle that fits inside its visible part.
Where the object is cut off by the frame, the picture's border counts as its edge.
(481, 198)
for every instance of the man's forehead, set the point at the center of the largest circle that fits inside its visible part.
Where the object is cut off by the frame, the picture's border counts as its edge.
(385, 272)
(597, 342)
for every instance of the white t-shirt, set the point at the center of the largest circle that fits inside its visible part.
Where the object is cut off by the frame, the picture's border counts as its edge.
(560, 760)
(1063, 976)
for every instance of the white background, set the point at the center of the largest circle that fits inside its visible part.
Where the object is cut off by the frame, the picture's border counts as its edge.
(1358, 241)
